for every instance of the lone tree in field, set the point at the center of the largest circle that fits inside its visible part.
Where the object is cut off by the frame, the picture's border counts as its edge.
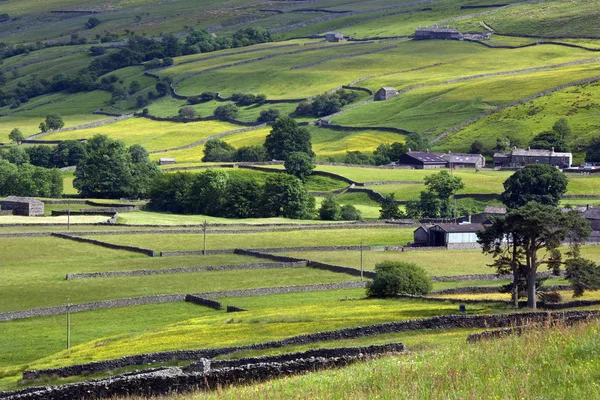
(536, 232)
(16, 136)
(397, 277)
(286, 138)
(389, 208)
(54, 121)
(541, 183)
(562, 128)
(330, 210)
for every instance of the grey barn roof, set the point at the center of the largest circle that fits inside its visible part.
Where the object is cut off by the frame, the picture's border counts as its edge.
(426, 157)
(495, 210)
(462, 158)
(437, 29)
(461, 228)
(17, 199)
(538, 152)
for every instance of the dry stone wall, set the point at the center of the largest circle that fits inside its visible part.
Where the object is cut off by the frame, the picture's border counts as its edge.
(134, 249)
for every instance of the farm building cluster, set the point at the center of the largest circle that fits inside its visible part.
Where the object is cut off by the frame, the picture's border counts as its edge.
(427, 160)
(521, 157)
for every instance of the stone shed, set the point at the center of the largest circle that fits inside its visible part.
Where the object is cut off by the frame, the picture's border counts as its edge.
(385, 93)
(334, 37)
(26, 206)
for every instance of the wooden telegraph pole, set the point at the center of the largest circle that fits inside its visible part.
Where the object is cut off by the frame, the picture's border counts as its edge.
(204, 230)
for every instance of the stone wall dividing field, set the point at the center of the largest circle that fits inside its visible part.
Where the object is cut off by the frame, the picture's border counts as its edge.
(186, 270)
(190, 298)
(439, 322)
(283, 289)
(148, 252)
(97, 305)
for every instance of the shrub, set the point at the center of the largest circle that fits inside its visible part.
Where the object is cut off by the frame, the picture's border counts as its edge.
(227, 111)
(330, 210)
(351, 213)
(187, 112)
(92, 22)
(269, 115)
(208, 96)
(397, 277)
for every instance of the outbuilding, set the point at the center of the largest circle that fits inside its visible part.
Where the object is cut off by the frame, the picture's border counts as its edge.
(166, 161)
(334, 37)
(455, 236)
(422, 160)
(385, 93)
(436, 32)
(25, 206)
(461, 160)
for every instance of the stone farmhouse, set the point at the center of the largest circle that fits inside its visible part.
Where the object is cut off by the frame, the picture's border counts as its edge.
(385, 93)
(25, 206)
(436, 32)
(450, 236)
(334, 37)
(521, 157)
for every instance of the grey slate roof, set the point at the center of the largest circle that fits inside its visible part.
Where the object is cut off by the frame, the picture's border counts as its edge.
(437, 29)
(426, 158)
(461, 228)
(17, 199)
(538, 152)
(462, 158)
(495, 210)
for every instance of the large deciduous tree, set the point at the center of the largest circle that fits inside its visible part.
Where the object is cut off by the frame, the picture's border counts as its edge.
(286, 138)
(541, 183)
(300, 165)
(286, 196)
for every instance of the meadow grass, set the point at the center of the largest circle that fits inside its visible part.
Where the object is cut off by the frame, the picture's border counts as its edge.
(561, 362)
(153, 135)
(256, 326)
(432, 110)
(327, 237)
(577, 104)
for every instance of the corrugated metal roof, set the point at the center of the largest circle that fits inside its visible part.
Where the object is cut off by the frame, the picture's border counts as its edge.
(425, 157)
(461, 228)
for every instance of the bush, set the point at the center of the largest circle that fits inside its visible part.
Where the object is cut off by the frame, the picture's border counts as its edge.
(269, 115)
(226, 112)
(397, 277)
(208, 96)
(187, 112)
(351, 213)
(330, 210)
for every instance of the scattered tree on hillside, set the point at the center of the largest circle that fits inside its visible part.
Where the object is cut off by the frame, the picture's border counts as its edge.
(16, 136)
(300, 165)
(217, 150)
(255, 153)
(187, 112)
(286, 138)
(226, 112)
(562, 128)
(387, 153)
(583, 275)
(207, 193)
(592, 154)
(417, 142)
(92, 22)
(547, 141)
(162, 88)
(541, 183)
(477, 147)
(269, 115)
(351, 213)
(54, 121)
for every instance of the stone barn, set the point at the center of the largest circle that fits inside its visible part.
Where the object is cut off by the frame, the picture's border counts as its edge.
(461, 160)
(385, 93)
(435, 32)
(422, 160)
(334, 37)
(166, 161)
(26, 206)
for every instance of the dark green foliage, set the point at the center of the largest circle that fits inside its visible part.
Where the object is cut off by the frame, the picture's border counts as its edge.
(330, 210)
(242, 198)
(269, 115)
(351, 213)
(286, 138)
(396, 277)
(429, 205)
(28, 180)
(15, 155)
(444, 185)
(358, 158)
(226, 112)
(41, 156)
(477, 147)
(54, 121)
(16, 136)
(92, 22)
(583, 275)
(97, 51)
(110, 170)
(208, 96)
(562, 128)
(134, 87)
(548, 141)
(244, 100)
(300, 165)
(541, 183)
(4, 17)
(286, 196)
(250, 154)
(327, 104)
(69, 153)
(43, 127)
(389, 208)
(201, 41)
(417, 142)
(207, 193)
(187, 112)
(387, 153)
(216, 150)
(168, 192)
(592, 154)
(162, 88)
